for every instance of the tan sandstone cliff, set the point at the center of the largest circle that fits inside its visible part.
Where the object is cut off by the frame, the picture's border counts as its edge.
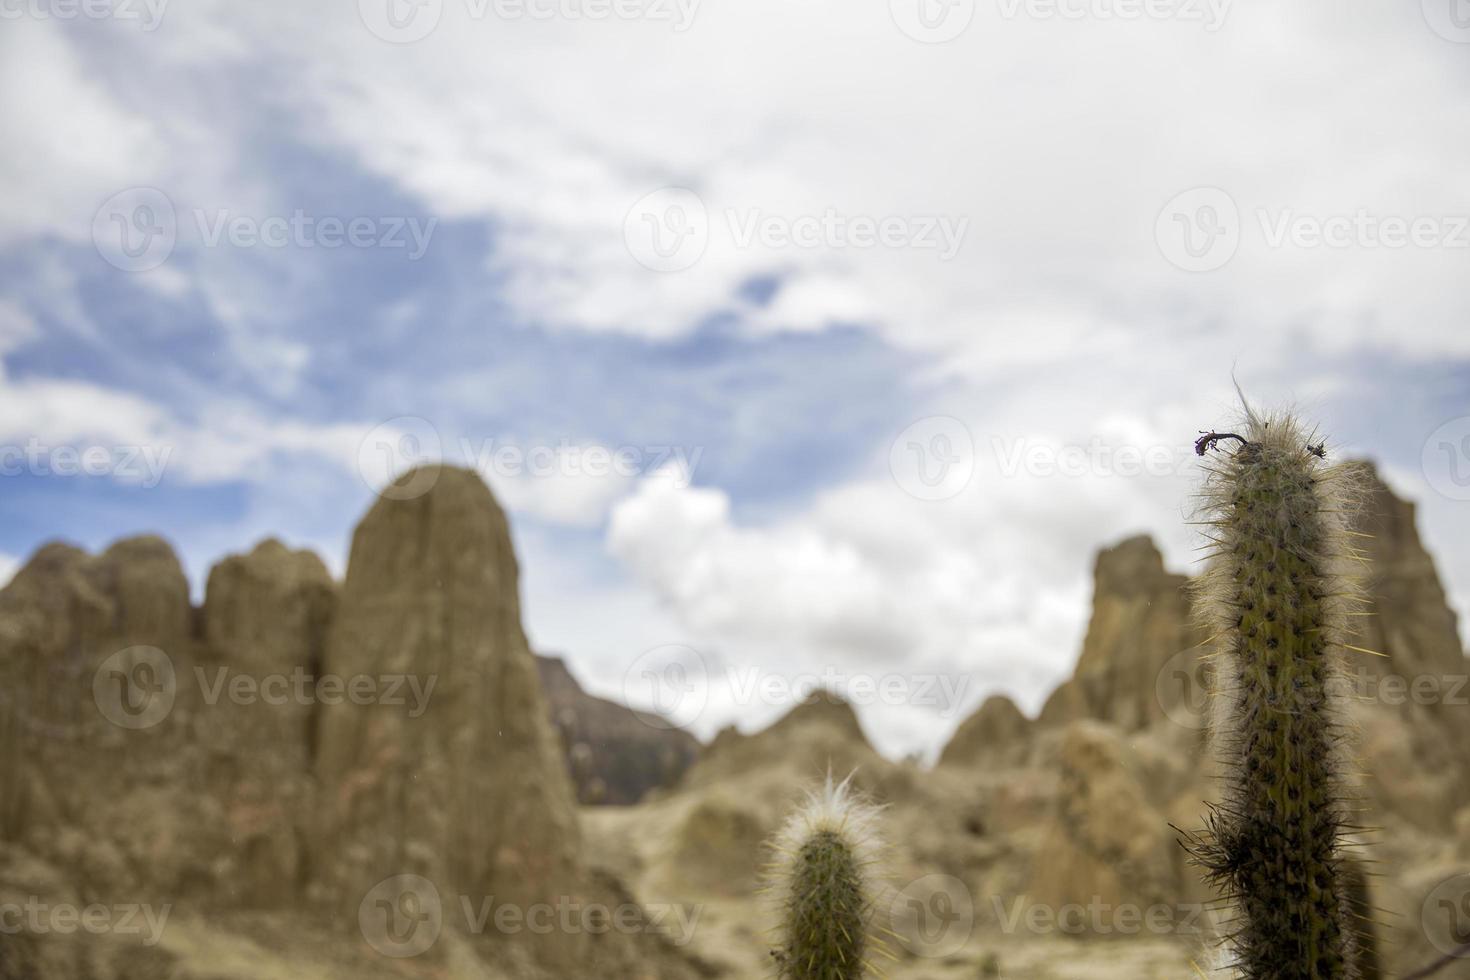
(169, 756)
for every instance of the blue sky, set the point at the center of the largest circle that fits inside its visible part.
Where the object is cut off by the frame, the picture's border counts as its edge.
(1034, 288)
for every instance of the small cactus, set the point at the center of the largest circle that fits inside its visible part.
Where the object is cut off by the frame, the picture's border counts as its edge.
(1277, 599)
(823, 886)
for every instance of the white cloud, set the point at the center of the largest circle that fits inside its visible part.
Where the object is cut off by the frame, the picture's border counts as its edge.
(9, 565)
(985, 591)
(70, 143)
(561, 492)
(567, 485)
(42, 419)
(1060, 142)
(990, 585)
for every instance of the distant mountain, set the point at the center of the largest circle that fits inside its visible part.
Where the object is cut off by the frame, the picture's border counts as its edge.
(615, 755)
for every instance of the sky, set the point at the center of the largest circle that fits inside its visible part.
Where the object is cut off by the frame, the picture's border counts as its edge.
(805, 343)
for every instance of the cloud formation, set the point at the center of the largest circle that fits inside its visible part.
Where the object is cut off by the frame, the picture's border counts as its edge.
(796, 239)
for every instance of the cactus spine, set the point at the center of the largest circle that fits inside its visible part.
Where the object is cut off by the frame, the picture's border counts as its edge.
(823, 886)
(1276, 598)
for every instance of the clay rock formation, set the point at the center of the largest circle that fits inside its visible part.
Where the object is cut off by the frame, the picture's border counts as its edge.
(264, 621)
(470, 793)
(286, 747)
(615, 755)
(709, 839)
(1140, 623)
(710, 830)
(64, 600)
(268, 611)
(1413, 703)
(87, 647)
(459, 781)
(116, 689)
(997, 734)
(820, 733)
(1142, 659)
(719, 846)
(1104, 839)
(1117, 752)
(1143, 663)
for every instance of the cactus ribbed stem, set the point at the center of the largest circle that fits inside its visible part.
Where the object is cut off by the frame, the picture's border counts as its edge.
(824, 887)
(1275, 596)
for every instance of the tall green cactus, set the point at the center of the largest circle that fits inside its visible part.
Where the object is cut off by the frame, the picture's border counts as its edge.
(1277, 597)
(823, 886)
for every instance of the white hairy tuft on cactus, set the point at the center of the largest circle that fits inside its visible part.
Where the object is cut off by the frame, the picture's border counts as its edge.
(823, 886)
